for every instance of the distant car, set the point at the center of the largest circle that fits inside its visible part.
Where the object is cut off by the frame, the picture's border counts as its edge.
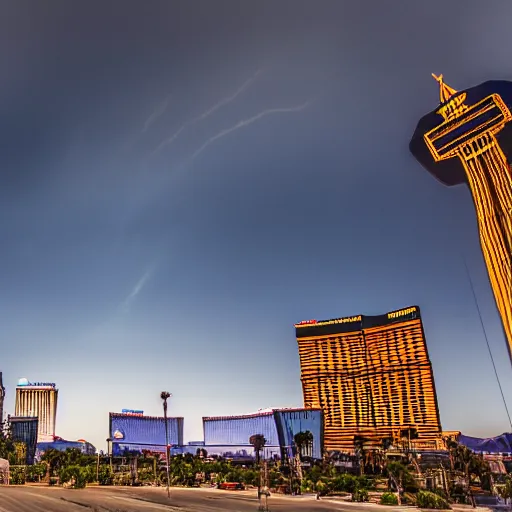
(231, 486)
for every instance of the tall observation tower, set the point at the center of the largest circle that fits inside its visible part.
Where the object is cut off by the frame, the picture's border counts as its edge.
(468, 139)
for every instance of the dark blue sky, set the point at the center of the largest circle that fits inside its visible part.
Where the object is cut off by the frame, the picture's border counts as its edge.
(130, 265)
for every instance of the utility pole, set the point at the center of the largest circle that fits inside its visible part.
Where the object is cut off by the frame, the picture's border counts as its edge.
(263, 507)
(164, 395)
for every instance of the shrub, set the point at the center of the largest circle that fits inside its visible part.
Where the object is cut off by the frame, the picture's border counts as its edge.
(360, 495)
(17, 476)
(389, 498)
(105, 476)
(36, 472)
(440, 492)
(75, 474)
(428, 499)
(322, 487)
(409, 499)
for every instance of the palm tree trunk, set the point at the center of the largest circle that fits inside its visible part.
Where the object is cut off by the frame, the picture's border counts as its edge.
(167, 450)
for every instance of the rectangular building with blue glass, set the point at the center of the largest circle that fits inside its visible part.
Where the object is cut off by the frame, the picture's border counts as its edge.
(24, 430)
(228, 436)
(132, 431)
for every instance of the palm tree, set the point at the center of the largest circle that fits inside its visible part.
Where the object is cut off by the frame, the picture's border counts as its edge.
(165, 395)
(399, 475)
(258, 442)
(359, 442)
(407, 435)
(304, 443)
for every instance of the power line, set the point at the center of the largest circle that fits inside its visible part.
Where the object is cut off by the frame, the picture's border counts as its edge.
(487, 340)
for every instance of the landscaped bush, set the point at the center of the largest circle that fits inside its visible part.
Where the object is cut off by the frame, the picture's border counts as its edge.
(17, 476)
(409, 499)
(440, 492)
(389, 498)
(428, 499)
(360, 495)
(322, 488)
(124, 479)
(75, 474)
(36, 472)
(105, 476)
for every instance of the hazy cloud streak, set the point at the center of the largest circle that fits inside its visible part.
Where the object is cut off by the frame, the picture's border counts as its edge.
(208, 112)
(156, 114)
(246, 122)
(137, 288)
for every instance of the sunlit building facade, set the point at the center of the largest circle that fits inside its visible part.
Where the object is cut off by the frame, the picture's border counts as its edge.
(228, 436)
(468, 139)
(136, 432)
(371, 376)
(38, 400)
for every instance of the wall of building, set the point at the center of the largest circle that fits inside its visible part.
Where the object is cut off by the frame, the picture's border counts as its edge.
(143, 432)
(38, 401)
(371, 376)
(25, 430)
(228, 436)
(63, 445)
(236, 430)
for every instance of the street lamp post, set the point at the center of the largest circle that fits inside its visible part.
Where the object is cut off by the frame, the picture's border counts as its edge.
(164, 395)
(98, 467)
(109, 450)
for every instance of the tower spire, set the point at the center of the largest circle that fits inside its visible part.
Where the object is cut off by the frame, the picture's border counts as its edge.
(445, 91)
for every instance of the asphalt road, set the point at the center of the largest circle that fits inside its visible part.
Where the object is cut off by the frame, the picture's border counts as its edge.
(109, 499)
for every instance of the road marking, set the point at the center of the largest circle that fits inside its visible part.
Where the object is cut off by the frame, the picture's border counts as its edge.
(147, 504)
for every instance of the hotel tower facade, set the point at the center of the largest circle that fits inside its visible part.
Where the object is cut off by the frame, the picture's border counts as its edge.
(38, 400)
(371, 376)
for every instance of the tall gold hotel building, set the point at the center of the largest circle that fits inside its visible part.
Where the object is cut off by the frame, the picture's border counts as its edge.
(372, 377)
(38, 399)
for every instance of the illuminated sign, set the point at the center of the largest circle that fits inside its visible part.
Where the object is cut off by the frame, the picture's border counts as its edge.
(26, 383)
(402, 312)
(118, 435)
(345, 320)
(307, 322)
(132, 412)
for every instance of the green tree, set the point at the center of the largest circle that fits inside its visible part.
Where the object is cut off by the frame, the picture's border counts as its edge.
(304, 443)
(55, 460)
(359, 448)
(258, 442)
(7, 448)
(400, 476)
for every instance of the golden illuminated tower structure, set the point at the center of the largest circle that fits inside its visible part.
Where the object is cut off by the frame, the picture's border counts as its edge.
(470, 130)
(371, 376)
(38, 400)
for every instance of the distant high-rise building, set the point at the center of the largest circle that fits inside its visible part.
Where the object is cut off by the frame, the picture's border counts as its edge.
(2, 396)
(38, 399)
(372, 377)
